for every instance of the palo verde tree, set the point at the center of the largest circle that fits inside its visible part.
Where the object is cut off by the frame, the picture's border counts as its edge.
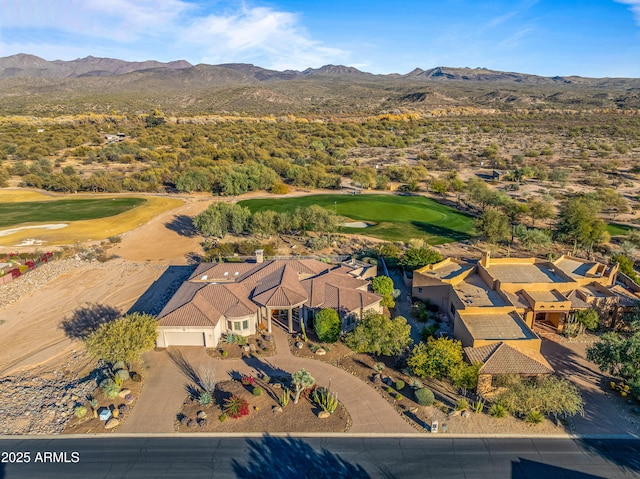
(124, 339)
(222, 218)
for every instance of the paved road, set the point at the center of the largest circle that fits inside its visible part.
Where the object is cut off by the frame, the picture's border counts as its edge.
(327, 457)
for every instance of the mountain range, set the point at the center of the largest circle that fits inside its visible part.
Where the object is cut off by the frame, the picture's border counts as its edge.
(30, 84)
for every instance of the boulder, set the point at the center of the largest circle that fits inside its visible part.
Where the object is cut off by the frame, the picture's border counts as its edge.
(277, 386)
(454, 413)
(321, 352)
(123, 392)
(268, 337)
(201, 415)
(111, 423)
(299, 344)
(253, 348)
(324, 415)
(377, 378)
(246, 349)
(276, 409)
(465, 414)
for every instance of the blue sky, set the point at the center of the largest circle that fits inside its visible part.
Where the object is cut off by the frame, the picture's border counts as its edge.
(588, 37)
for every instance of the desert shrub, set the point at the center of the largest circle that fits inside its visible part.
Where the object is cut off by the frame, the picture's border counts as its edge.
(324, 398)
(379, 367)
(123, 409)
(398, 396)
(242, 340)
(236, 406)
(115, 239)
(534, 417)
(428, 332)
(110, 388)
(424, 396)
(400, 384)
(462, 404)
(257, 391)
(247, 380)
(222, 417)
(389, 389)
(225, 354)
(328, 325)
(135, 377)
(230, 338)
(205, 399)
(478, 406)
(498, 410)
(416, 384)
(123, 374)
(80, 412)
(93, 402)
(118, 365)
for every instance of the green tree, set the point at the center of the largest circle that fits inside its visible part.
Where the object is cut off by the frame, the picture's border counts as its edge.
(492, 225)
(579, 223)
(415, 258)
(263, 223)
(626, 265)
(378, 334)
(301, 380)
(440, 186)
(436, 358)
(464, 375)
(328, 325)
(539, 210)
(383, 285)
(619, 355)
(221, 218)
(124, 339)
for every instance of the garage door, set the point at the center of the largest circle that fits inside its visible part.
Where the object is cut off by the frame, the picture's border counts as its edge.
(187, 338)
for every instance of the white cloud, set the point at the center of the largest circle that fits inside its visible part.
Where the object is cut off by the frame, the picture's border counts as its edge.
(157, 28)
(635, 8)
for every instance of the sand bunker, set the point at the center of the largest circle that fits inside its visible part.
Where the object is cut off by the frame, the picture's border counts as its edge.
(355, 224)
(55, 226)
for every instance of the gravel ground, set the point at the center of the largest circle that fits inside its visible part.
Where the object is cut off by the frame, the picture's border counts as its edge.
(31, 281)
(42, 402)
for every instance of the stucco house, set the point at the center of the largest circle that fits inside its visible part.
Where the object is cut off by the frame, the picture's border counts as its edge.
(241, 298)
(494, 304)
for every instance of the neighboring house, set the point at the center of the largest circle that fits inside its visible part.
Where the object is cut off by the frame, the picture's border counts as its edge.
(499, 359)
(498, 301)
(244, 297)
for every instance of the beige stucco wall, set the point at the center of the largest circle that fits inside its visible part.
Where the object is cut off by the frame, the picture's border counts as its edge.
(253, 325)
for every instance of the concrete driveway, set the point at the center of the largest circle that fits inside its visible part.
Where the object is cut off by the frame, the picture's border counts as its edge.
(167, 375)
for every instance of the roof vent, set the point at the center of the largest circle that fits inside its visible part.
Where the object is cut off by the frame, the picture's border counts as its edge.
(226, 273)
(236, 273)
(204, 277)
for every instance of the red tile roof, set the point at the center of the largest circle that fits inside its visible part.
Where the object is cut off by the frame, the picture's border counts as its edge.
(501, 358)
(210, 294)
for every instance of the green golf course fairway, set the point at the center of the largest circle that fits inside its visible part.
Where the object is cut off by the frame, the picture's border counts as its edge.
(397, 218)
(619, 229)
(12, 214)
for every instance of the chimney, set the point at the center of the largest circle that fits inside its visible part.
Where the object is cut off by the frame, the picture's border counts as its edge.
(484, 259)
(259, 256)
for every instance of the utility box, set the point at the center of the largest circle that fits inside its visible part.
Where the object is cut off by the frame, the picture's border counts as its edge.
(434, 427)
